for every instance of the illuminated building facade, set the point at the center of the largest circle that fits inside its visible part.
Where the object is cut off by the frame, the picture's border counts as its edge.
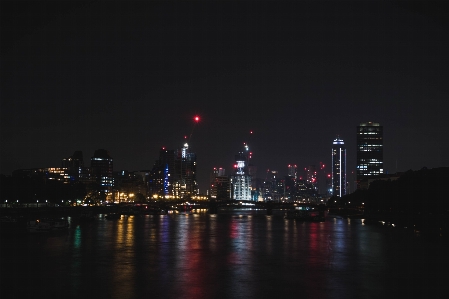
(369, 152)
(185, 183)
(102, 172)
(338, 168)
(57, 173)
(74, 165)
(241, 179)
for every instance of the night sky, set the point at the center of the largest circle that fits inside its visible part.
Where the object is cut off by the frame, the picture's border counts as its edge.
(129, 77)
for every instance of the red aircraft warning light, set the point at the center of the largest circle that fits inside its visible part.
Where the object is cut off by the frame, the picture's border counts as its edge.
(196, 118)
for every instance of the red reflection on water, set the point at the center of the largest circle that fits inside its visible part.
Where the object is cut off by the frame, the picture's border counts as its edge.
(315, 260)
(233, 231)
(313, 237)
(194, 270)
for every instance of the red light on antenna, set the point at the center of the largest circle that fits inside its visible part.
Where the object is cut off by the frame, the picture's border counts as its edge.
(196, 118)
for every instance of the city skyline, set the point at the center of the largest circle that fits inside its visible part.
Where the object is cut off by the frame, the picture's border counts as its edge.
(129, 77)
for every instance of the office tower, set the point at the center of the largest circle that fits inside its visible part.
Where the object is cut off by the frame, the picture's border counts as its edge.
(241, 180)
(102, 172)
(293, 171)
(174, 174)
(185, 183)
(369, 152)
(338, 168)
(160, 181)
(220, 187)
(74, 164)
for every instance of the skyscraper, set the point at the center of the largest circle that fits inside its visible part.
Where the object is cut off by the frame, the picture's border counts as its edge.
(369, 152)
(220, 187)
(161, 177)
(174, 173)
(293, 171)
(241, 180)
(102, 167)
(185, 173)
(338, 168)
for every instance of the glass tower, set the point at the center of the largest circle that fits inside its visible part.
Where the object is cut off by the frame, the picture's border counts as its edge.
(241, 180)
(338, 168)
(369, 151)
(102, 166)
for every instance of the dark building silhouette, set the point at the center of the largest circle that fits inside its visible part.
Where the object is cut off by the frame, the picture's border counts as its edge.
(74, 165)
(220, 185)
(161, 177)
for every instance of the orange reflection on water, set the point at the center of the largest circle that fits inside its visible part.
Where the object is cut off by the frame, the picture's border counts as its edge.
(124, 259)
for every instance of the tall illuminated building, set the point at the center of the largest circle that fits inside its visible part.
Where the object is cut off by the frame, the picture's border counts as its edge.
(338, 168)
(369, 152)
(102, 166)
(185, 182)
(241, 179)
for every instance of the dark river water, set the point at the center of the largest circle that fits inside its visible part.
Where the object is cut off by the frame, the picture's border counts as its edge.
(240, 254)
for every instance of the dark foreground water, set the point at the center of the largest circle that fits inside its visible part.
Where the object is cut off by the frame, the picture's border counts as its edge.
(243, 254)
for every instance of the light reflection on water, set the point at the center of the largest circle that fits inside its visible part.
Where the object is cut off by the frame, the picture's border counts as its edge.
(222, 256)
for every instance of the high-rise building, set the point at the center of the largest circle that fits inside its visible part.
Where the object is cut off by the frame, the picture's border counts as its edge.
(220, 187)
(185, 183)
(311, 175)
(241, 179)
(369, 152)
(74, 165)
(293, 171)
(102, 172)
(160, 181)
(338, 168)
(174, 174)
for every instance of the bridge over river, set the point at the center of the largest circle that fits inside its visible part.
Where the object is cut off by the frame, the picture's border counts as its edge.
(160, 207)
